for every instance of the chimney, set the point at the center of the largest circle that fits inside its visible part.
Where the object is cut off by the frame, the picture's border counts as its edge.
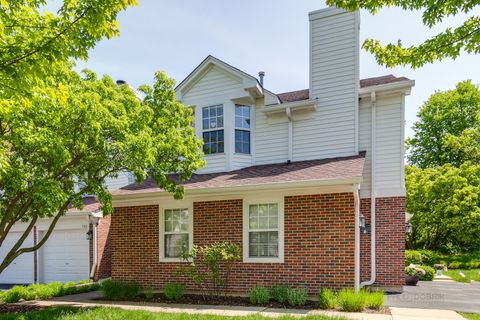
(261, 74)
(121, 82)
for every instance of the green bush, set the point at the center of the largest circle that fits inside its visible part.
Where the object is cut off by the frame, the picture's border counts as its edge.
(429, 273)
(412, 257)
(327, 299)
(429, 257)
(375, 299)
(351, 301)
(259, 295)
(149, 293)
(174, 291)
(14, 295)
(414, 271)
(279, 293)
(423, 257)
(461, 261)
(115, 290)
(297, 296)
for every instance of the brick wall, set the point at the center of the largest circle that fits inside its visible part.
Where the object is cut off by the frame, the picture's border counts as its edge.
(390, 248)
(104, 249)
(319, 243)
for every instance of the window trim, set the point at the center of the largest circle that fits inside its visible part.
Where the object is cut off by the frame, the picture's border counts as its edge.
(281, 229)
(214, 129)
(249, 130)
(161, 218)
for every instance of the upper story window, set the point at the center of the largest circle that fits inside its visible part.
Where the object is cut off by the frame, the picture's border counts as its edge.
(242, 129)
(213, 134)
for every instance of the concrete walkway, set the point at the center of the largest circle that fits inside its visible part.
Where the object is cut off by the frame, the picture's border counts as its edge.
(85, 300)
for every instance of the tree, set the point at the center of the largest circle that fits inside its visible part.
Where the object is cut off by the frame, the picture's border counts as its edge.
(447, 44)
(445, 201)
(63, 142)
(447, 121)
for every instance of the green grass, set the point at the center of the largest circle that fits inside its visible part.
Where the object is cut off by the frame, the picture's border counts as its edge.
(471, 316)
(46, 291)
(68, 313)
(470, 275)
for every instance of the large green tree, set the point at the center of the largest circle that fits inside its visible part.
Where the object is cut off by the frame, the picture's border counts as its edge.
(445, 122)
(445, 201)
(62, 134)
(447, 44)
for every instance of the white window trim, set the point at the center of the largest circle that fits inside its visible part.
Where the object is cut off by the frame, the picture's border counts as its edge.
(161, 218)
(249, 130)
(214, 129)
(261, 200)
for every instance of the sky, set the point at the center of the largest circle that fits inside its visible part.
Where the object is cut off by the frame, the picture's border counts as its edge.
(267, 35)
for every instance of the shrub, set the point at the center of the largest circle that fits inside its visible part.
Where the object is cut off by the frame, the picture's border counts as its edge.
(297, 296)
(351, 301)
(414, 271)
(327, 299)
(114, 290)
(412, 257)
(174, 291)
(375, 300)
(429, 257)
(149, 293)
(279, 293)
(259, 295)
(14, 295)
(429, 273)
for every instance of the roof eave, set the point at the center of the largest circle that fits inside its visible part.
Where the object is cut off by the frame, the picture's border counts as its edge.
(403, 87)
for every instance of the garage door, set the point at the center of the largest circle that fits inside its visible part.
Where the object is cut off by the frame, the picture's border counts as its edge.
(64, 257)
(21, 271)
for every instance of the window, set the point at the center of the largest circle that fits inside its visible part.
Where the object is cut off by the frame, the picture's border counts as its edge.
(263, 232)
(213, 137)
(242, 129)
(176, 233)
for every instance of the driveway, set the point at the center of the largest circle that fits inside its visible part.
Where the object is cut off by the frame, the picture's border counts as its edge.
(438, 295)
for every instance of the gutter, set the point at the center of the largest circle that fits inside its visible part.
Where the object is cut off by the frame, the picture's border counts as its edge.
(373, 238)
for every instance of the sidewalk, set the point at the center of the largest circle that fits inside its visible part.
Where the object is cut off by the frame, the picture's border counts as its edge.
(85, 300)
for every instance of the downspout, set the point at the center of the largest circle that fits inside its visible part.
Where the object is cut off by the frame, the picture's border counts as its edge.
(373, 239)
(356, 197)
(95, 250)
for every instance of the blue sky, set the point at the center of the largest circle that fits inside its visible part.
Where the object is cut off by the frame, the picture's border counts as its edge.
(268, 35)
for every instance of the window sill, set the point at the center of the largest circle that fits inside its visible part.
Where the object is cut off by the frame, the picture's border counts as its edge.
(177, 260)
(262, 260)
(214, 154)
(243, 154)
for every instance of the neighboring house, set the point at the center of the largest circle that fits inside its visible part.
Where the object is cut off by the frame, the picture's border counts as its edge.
(289, 177)
(79, 248)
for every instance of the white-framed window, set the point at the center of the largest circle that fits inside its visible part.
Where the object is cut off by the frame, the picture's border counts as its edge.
(213, 129)
(242, 129)
(176, 231)
(263, 234)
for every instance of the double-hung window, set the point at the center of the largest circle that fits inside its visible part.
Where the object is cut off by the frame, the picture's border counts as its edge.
(213, 134)
(242, 129)
(263, 232)
(175, 232)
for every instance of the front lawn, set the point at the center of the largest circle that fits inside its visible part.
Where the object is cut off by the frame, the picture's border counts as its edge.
(471, 316)
(68, 313)
(469, 275)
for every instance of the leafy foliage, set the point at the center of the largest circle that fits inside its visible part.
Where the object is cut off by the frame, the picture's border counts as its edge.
(447, 44)
(351, 301)
(447, 131)
(429, 273)
(297, 296)
(424, 257)
(210, 266)
(470, 260)
(279, 293)
(327, 299)
(414, 271)
(375, 299)
(115, 290)
(465, 276)
(259, 295)
(174, 291)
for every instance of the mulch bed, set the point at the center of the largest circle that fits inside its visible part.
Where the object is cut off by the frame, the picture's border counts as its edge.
(18, 308)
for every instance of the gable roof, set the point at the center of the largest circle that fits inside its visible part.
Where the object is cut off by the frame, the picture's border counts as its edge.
(333, 170)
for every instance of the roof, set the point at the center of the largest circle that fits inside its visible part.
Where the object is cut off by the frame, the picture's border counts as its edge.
(364, 83)
(311, 170)
(90, 204)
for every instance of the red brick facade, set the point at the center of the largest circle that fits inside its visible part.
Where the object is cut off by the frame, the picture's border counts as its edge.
(390, 248)
(319, 243)
(104, 249)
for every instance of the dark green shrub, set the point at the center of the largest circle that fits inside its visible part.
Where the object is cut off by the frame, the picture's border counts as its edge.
(327, 299)
(259, 295)
(279, 293)
(115, 290)
(429, 273)
(174, 291)
(297, 296)
(375, 299)
(351, 301)
(412, 257)
(429, 258)
(14, 295)
(455, 265)
(149, 293)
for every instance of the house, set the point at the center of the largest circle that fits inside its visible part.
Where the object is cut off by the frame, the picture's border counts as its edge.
(309, 183)
(78, 249)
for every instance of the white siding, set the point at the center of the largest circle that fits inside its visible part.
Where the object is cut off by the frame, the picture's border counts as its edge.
(389, 163)
(241, 161)
(123, 179)
(334, 81)
(215, 163)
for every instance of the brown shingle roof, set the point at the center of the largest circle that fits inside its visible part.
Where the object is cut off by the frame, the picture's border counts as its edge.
(364, 83)
(311, 170)
(90, 204)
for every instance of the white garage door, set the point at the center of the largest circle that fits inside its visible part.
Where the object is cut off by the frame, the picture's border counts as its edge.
(21, 271)
(64, 257)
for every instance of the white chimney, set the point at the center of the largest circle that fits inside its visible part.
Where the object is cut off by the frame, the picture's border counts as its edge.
(334, 68)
